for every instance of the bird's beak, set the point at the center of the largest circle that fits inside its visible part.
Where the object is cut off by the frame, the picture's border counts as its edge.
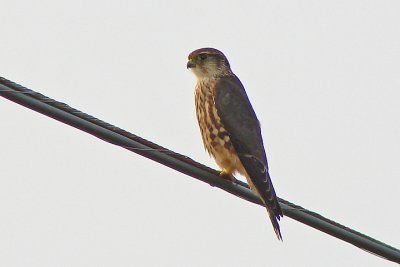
(190, 64)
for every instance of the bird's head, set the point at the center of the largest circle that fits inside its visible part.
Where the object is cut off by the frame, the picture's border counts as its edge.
(208, 63)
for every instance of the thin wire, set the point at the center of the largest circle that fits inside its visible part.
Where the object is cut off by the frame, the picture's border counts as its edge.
(114, 135)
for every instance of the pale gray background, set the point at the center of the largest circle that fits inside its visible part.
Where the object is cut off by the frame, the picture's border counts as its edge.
(323, 77)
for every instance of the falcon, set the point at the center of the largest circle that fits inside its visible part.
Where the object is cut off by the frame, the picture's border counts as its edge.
(229, 126)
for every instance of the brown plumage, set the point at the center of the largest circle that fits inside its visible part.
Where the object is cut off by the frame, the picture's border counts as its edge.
(229, 127)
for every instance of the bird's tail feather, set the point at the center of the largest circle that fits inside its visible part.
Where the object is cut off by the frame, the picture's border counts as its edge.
(271, 203)
(264, 189)
(273, 208)
(275, 224)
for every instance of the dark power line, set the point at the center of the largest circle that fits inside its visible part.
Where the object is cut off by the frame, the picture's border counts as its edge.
(184, 164)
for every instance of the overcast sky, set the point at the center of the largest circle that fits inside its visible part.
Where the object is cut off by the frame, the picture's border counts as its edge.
(323, 77)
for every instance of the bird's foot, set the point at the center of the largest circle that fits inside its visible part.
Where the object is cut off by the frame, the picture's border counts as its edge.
(227, 175)
(224, 172)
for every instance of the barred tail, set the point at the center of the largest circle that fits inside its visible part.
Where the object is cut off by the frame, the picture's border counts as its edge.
(274, 220)
(265, 190)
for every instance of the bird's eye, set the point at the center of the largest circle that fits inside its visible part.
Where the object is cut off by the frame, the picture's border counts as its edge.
(203, 56)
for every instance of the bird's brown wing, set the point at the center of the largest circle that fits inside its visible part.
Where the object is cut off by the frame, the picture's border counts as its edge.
(242, 125)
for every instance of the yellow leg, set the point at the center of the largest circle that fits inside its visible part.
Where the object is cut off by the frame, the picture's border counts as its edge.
(227, 174)
(224, 172)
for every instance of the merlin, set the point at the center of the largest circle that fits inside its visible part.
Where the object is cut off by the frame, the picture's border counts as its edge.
(229, 127)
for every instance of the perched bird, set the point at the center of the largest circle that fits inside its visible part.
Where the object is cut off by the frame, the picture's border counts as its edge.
(229, 127)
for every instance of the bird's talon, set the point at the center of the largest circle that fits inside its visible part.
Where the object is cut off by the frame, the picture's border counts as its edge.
(227, 175)
(223, 173)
